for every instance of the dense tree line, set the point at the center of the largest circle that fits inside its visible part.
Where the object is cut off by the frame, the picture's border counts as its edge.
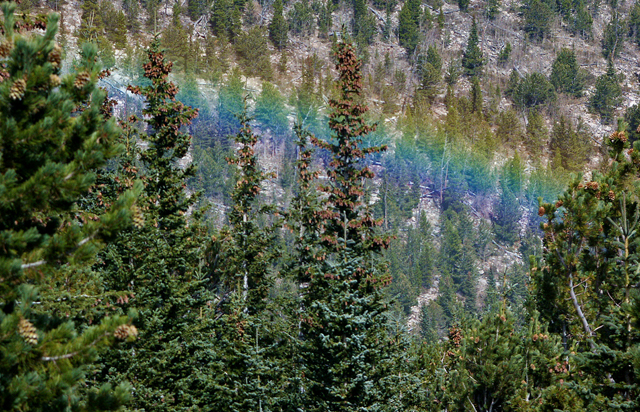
(118, 293)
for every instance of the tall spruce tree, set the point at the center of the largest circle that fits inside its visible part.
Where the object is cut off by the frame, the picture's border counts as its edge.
(345, 347)
(472, 59)
(158, 261)
(53, 137)
(608, 94)
(249, 364)
(566, 75)
(278, 28)
(409, 25)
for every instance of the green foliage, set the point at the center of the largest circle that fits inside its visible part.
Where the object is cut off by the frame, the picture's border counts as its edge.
(608, 94)
(582, 22)
(301, 18)
(271, 112)
(158, 260)
(178, 45)
(582, 285)
(225, 19)
(463, 5)
(476, 96)
(325, 19)
(537, 133)
(409, 25)
(505, 54)
(492, 9)
(430, 75)
(364, 23)
(632, 121)
(253, 52)
(472, 59)
(346, 350)
(568, 146)
(230, 105)
(566, 75)
(633, 22)
(499, 364)
(537, 20)
(49, 154)
(278, 27)
(532, 90)
(613, 38)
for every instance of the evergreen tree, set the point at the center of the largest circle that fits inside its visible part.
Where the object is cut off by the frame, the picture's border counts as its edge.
(492, 9)
(270, 110)
(253, 52)
(50, 151)
(608, 94)
(566, 75)
(278, 28)
(537, 20)
(532, 90)
(364, 23)
(409, 25)
(613, 38)
(346, 350)
(582, 22)
(325, 19)
(568, 146)
(583, 283)
(158, 260)
(247, 370)
(301, 18)
(472, 59)
(230, 105)
(476, 96)
(498, 363)
(225, 19)
(537, 132)
(430, 75)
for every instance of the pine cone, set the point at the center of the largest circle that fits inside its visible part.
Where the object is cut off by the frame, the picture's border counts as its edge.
(55, 56)
(82, 79)
(611, 195)
(5, 48)
(138, 217)
(54, 80)
(122, 332)
(27, 331)
(17, 89)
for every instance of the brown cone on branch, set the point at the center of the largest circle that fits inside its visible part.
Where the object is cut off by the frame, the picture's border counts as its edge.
(27, 331)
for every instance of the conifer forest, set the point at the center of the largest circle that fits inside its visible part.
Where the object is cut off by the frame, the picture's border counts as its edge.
(319, 205)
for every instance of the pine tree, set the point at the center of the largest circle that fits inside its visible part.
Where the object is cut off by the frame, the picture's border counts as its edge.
(53, 137)
(346, 349)
(158, 261)
(583, 283)
(472, 59)
(498, 363)
(613, 37)
(364, 23)
(409, 25)
(476, 96)
(608, 94)
(538, 18)
(270, 111)
(566, 75)
(247, 369)
(278, 28)
(430, 75)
